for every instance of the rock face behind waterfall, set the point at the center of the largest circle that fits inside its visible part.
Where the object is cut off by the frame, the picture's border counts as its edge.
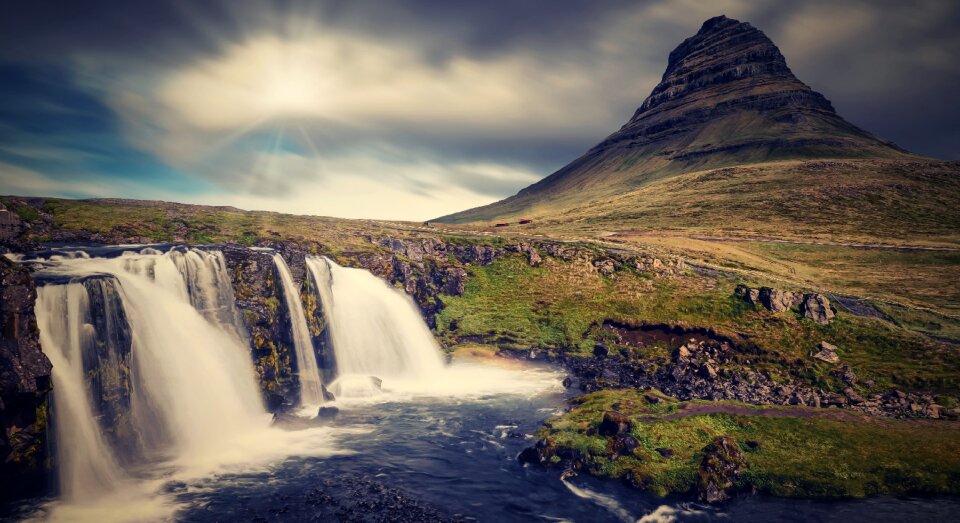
(24, 385)
(258, 292)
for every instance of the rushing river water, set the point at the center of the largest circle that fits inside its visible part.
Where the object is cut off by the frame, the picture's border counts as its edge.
(437, 442)
(458, 454)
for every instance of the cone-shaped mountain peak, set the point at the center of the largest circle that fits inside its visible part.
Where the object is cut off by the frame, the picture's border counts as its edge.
(725, 53)
(728, 89)
(727, 98)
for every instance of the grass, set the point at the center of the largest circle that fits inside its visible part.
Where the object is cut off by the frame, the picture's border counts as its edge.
(912, 276)
(560, 304)
(550, 306)
(819, 456)
(119, 221)
(854, 200)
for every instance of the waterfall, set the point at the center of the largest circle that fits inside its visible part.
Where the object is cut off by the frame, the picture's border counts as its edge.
(87, 467)
(192, 387)
(307, 370)
(209, 289)
(375, 330)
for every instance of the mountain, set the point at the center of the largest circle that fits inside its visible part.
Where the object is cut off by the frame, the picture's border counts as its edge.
(727, 100)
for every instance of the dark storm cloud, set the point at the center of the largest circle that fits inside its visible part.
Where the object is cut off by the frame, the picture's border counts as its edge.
(577, 69)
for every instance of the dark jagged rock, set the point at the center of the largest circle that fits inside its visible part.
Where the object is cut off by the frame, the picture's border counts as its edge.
(24, 386)
(327, 412)
(624, 444)
(613, 424)
(257, 290)
(10, 224)
(600, 350)
(327, 395)
(705, 369)
(530, 455)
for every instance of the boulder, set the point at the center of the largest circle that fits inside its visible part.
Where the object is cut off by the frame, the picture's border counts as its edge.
(327, 412)
(600, 350)
(852, 396)
(624, 444)
(667, 453)
(777, 300)
(613, 424)
(533, 257)
(708, 372)
(846, 375)
(827, 353)
(816, 307)
(531, 455)
(327, 395)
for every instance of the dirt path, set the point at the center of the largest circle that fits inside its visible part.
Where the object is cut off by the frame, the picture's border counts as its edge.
(701, 409)
(769, 239)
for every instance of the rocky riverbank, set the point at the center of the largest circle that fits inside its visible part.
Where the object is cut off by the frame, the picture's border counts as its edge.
(24, 386)
(714, 450)
(710, 369)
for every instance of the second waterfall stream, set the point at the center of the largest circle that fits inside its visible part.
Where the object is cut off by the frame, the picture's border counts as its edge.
(382, 344)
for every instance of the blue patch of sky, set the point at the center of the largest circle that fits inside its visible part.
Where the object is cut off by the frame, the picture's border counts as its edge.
(50, 125)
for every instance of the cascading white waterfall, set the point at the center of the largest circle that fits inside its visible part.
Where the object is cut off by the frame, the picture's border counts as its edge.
(375, 330)
(86, 466)
(208, 286)
(311, 394)
(192, 375)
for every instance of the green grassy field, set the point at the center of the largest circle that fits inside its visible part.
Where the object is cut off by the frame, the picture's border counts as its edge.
(793, 451)
(559, 304)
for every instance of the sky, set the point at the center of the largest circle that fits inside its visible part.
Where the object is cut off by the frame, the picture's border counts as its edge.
(407, 109)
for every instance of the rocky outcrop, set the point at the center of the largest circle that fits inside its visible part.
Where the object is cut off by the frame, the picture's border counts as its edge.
(614, 424)
(425, 268)
(816, 307)
(24, 386)
(10, 224)
(813, 306)
(827, 353)
(777, 300)
(721, 467)
(710, 367)
(258, 292)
